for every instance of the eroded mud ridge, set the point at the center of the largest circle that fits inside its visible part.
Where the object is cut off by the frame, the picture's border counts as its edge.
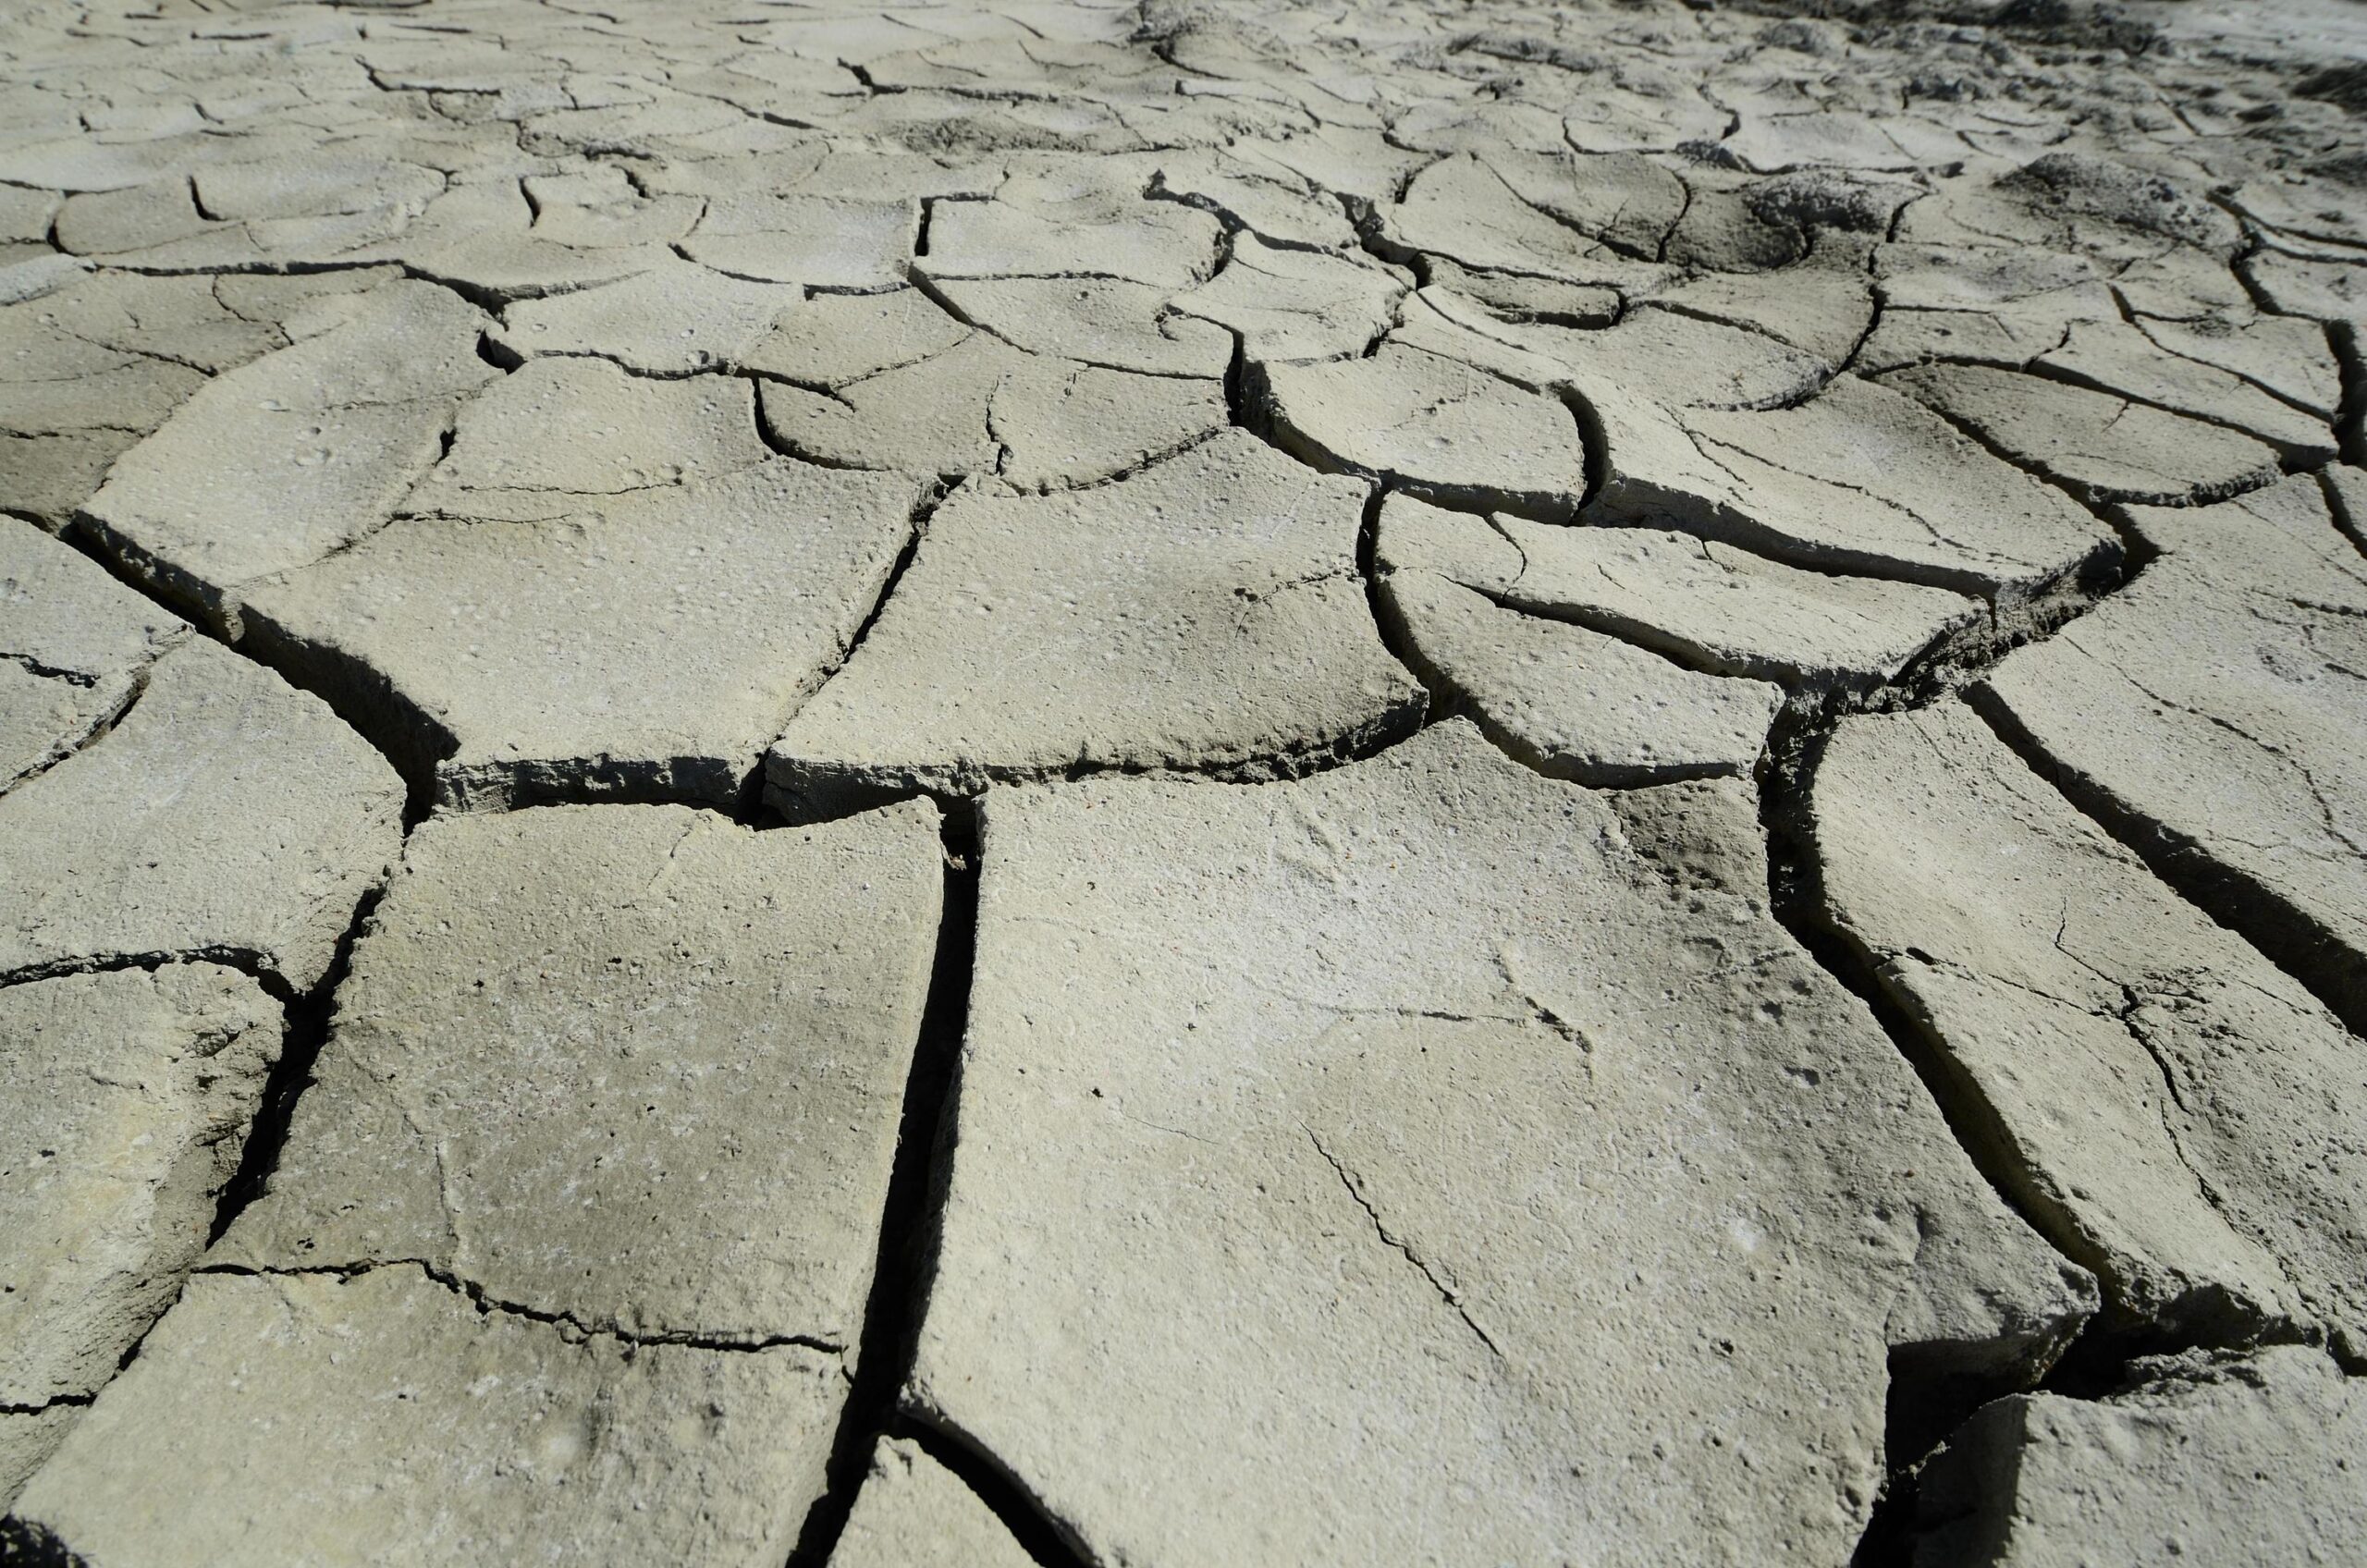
(1189, 783)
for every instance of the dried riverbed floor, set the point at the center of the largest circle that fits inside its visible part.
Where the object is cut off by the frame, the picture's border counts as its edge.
(1181, 784)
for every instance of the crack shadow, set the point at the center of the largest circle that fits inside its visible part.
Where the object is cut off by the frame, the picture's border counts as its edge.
(905, 1264)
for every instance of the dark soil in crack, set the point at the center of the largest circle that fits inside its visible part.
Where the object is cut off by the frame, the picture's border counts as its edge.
(304, 1032)
(906, 1259)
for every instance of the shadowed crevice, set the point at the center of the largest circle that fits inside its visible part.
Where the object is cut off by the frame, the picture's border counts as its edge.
(1034, 1531)
(906, 1260)
(303, 1032)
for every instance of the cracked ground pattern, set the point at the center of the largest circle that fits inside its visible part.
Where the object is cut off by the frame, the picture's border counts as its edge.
(1193, 783)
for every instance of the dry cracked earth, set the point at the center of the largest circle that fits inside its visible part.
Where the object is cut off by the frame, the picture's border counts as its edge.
(1381, 783)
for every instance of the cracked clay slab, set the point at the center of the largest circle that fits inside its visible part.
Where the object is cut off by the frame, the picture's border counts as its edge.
(1575, 703)
(840, 338)
(1461, 208)
(634, 1067)
(1707, 605)
(75, 646)
(649, 649)
(566, 432)
(1291, 304)
(1438, 427)
(672, 320)
(386, 1419)
(1381, 510)
(1098, 321)
(835, 242)
(1859, 478)
(1728, 434)
(2176, 1112)
(129, 1095)
(1038, 421)
(2214, 716)
(2100, 447)
(1157, 243)
(1205, 613)
(569, 1249)
(1428, 1160)
(226, 814)
(280, 462)
(2204, 1458)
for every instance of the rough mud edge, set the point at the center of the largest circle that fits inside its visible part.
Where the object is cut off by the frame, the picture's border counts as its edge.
(806, 791)
(2287, 936)
(2351, 419)
(2353, 525)
(366, 701)
(151, 577)
(906, 1260)
(1036, 1532)
(305, 1030)
(255, 966)
(1923, 1401)
(1443, 701)
(706, 783)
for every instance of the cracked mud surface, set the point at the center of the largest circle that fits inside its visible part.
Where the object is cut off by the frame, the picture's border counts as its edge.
(1182, 783)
